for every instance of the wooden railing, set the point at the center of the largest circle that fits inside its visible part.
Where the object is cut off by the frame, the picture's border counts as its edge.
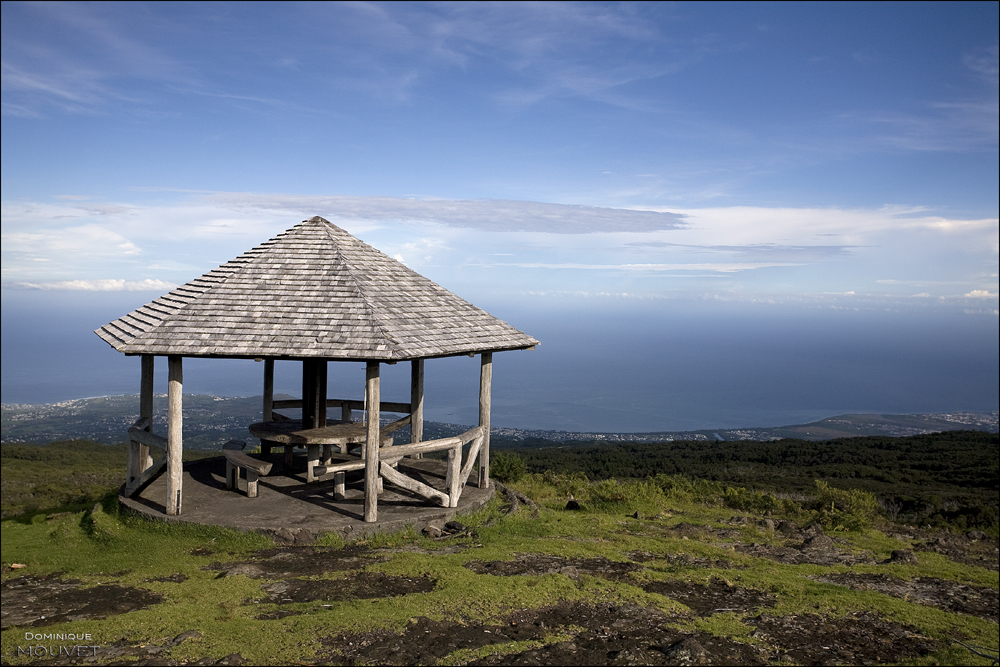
(139, 473)
(389, 456)
(346, 405)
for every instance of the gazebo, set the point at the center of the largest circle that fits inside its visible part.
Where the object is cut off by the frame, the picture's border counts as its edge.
(315, 294)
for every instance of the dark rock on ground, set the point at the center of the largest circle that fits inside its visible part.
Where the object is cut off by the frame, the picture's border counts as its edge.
(717, 596)
(361, 586)
(539, 564)
(33, 601)
(940, 593)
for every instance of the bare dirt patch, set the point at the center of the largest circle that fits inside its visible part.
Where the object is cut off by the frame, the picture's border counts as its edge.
(362, 586)
(540, 564)
(941, 593)
(715, 597)
(33, 601)
(284, 562)
(861, 638)
(817, 549)
(598, 635)
(963, 549)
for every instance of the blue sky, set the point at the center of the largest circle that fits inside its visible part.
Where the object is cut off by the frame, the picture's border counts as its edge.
(566, 156)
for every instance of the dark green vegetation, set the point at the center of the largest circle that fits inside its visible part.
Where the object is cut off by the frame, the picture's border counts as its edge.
(942, 479)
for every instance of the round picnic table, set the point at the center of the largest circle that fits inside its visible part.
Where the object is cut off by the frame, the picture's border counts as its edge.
(289, 433)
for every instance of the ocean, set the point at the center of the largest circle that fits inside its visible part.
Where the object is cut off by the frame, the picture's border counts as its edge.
(603, 365)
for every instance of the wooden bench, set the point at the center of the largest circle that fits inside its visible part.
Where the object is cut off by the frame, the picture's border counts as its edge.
(236, 459)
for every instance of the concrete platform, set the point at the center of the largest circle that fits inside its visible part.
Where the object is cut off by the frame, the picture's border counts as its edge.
(295, 511)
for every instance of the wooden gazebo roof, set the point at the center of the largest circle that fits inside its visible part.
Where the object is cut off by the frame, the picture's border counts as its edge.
(313, 291)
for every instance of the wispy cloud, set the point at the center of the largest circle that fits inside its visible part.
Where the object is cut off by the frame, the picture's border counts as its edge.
(107, 285)
(492, 215)
(509, 244)
(716, 267)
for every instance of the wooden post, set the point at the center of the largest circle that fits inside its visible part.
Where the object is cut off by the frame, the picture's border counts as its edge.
(485, 380)
(175, 420)
(138, 454)
(313, 393)
(339, 489)
(454, 479)
(265, 446)
(268, 389)
(308, 387)
(372, 475)
(320, 393)
(416, 402)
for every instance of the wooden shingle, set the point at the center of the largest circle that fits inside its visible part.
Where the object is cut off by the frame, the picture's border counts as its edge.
(314, 291)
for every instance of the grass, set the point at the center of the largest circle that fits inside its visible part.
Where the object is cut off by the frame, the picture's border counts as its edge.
(99, 544)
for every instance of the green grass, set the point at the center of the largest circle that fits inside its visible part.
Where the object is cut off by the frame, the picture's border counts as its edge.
(101, 545)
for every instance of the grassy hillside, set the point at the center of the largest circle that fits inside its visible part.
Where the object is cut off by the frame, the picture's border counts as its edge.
(942, 479)
(641, 573)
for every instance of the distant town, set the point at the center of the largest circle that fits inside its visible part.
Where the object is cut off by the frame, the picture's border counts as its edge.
(211, 420)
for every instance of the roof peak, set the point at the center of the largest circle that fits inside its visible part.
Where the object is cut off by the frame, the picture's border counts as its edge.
(307, 294)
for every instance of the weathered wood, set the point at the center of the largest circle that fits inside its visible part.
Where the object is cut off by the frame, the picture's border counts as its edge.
(345, 410)
(485, 382)
(463, 476)
(396, 425)
(339, 486)
(352, 404)
(410, 484)
(312, 462)
(453, 478)
(282, 299)
(175, 422)
(429, 446)
(138, 453)
(268, 389)
(148, 439)
(291, 432)
(416, 402)
(345, 466)
(372, 399)
(148, 475)
(247, 462)
(142, 423)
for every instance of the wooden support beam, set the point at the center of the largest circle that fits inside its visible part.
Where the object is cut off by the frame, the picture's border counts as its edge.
(453, 478)
(175, 422)
(386, 406)
(339, 487)
(416, 402)
(463, 476)
(372, 476)
(138, 453)
(485, 381)
(320, 393)
(410, 484)
(148, 475)
(268, 389)
(308, 389)
(428, 446)
(148, 439)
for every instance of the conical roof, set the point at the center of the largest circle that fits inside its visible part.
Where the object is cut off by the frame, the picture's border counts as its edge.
(313, 291)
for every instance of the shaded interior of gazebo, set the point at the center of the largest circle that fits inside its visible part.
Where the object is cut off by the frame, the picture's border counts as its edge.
(314, 294)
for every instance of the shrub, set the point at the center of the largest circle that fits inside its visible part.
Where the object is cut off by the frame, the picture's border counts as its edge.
(843, 509)
(507, 467)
